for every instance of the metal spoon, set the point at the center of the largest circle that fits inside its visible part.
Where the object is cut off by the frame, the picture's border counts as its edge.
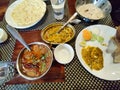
(71, 18)
(17, 36)
(75, 21)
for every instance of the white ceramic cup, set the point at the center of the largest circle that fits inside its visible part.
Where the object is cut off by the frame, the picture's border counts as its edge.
(3, 35)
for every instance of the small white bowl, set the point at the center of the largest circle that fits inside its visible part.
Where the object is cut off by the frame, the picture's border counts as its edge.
(3, 35)
(64, 53)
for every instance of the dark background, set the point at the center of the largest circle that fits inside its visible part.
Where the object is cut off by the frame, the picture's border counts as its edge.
(115, 14)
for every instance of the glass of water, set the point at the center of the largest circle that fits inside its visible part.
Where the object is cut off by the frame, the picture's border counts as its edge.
(3, 72)
(5, 69)
(58, 8)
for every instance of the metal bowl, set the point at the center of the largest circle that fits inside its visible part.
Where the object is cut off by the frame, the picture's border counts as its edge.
(56, 40)
(103, 5)
(19, 63)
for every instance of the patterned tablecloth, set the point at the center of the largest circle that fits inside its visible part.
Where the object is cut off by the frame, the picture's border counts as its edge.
(76, 77)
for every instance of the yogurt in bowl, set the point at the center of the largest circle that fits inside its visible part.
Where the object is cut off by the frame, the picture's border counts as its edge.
(64, 53)
(3, 35)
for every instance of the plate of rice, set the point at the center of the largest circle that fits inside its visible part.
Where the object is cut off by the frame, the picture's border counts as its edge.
(25, 13)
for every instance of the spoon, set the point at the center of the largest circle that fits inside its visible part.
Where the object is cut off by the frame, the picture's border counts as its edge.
(17, 36)
(71, 18)
(75, 21)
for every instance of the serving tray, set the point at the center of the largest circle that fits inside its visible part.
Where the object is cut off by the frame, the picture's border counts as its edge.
(56, 72)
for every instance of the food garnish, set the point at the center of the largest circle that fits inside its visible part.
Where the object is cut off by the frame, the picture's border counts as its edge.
(87, 35)
(92, 35)
(83, 43)
(100, 39)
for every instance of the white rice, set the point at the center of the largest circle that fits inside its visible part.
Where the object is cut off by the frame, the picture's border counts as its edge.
(28, 12)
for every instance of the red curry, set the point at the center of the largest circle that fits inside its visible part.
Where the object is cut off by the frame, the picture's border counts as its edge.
(37, 61)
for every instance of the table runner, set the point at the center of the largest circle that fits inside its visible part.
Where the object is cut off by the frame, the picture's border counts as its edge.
(76, 77)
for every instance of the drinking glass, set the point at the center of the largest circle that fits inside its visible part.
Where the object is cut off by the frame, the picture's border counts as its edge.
(5, 71)
(58, 8)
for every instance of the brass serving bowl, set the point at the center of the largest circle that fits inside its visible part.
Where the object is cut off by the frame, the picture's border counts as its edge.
(49, 33)
(34, 65)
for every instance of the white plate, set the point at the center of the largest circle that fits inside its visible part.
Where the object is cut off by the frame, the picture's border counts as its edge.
(110, 71)
(12, 23)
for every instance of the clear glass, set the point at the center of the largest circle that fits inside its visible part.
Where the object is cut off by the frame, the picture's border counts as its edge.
(5, 70)
(58, 8)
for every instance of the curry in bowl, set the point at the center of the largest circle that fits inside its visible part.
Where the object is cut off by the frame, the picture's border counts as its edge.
(93, 57)
(50, 35)
(35, 63)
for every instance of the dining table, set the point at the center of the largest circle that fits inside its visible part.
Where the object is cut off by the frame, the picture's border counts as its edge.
(71, 76)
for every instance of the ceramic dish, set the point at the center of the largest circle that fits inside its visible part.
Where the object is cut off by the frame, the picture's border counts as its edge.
(64, 53)
(3, 35)
(29, 13)
(110, 71)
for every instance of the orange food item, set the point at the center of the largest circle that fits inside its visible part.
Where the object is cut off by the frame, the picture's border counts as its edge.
(87, 35)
